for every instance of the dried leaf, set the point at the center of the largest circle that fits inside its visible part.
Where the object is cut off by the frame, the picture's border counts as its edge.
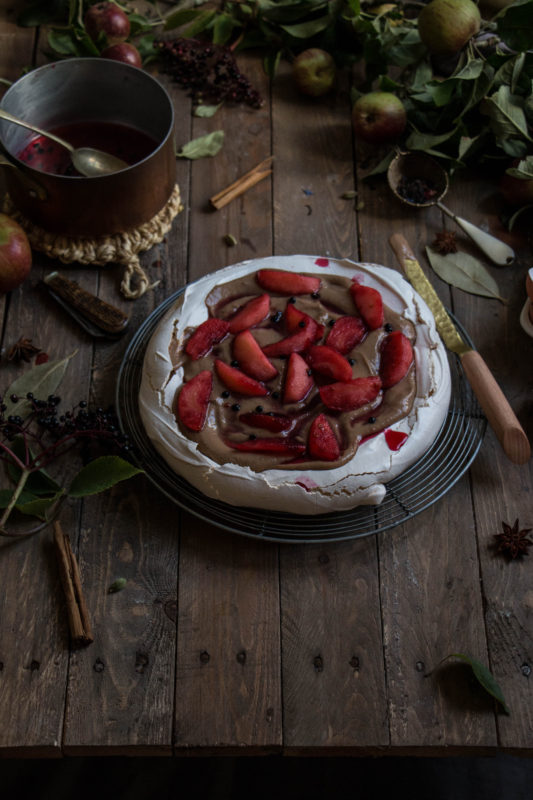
(485, 678)
(206, 111)
(203, 146)
(42, 380)
(464, 272)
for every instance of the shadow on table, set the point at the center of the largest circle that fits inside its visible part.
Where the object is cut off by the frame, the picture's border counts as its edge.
(268, 778)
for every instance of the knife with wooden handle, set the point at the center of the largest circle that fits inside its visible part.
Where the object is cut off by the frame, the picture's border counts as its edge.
(492, 400)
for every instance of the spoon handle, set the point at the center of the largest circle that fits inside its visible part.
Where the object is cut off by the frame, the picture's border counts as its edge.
(498, 252)
(16, 121)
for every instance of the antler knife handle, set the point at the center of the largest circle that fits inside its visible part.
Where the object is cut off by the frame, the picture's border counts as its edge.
(105, 316)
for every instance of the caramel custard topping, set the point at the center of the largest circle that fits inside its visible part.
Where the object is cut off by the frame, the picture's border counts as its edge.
(223, 424)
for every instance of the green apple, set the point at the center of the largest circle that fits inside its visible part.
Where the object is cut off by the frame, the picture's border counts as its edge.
(314, 72)
(445, 26)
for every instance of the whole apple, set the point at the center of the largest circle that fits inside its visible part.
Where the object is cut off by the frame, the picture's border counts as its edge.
(109, 19)
(314, 72)
(15, 254)
(379, 117)
(445, 26)
(125, 52)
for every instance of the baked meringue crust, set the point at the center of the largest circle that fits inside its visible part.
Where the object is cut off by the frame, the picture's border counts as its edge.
(362, 480)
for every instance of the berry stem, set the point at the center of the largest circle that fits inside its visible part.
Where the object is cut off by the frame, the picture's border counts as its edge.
(24, 475)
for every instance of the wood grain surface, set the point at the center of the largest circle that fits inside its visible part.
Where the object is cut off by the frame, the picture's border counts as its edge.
(222, 644)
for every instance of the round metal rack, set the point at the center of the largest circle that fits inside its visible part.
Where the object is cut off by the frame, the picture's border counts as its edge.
(414, 490)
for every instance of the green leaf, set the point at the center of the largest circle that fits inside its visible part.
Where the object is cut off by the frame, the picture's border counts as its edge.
(507, 114)
(101, 474)
(7, 494)
(426, 141)
(223, 27)
(306, 30)
(464, 272)
(42, 380)
(485, 678)
(181, 17)
(117, 586)
(200, 24)
(271, 63)
(39, 507)
(206, 111)
(203, 146)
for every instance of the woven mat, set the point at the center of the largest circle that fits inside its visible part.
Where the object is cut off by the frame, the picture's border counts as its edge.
(119, 248)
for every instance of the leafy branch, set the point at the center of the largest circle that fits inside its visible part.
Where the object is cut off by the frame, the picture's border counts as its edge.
(474, 106)
(33, 435)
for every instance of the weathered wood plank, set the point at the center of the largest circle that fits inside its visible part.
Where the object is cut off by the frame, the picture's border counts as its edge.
(228, 684)
(228, 673)
(333, 681)
(133, 533)
(502, 490)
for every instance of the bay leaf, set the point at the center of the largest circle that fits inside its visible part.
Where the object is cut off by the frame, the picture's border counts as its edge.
(203, 146)
(484, 677)
(101, 474)
(464, 272)
(206, 111)
(41, 380)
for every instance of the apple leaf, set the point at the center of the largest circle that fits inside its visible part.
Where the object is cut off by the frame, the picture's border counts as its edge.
(39, 506)
(507, 115)
(101, 474)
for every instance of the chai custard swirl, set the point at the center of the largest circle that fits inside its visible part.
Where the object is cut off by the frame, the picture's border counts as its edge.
(224, 426)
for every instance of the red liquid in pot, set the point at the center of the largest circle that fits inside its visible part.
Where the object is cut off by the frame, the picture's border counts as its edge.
(129, 144)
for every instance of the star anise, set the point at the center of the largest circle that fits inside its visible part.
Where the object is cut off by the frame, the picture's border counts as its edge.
(23, 350)
(513, 542)
(445, 242)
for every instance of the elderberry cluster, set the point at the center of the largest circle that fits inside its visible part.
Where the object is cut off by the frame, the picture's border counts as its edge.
(209, 71)
(54, 432)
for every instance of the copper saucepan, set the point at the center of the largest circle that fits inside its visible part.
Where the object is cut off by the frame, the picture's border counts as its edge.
(90, 90)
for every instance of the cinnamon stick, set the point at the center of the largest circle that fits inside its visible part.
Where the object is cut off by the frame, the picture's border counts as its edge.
(242, 184)
(78, 615)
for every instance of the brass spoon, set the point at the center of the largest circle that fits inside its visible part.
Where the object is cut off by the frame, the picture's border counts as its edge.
(418, 165)
(88, 160)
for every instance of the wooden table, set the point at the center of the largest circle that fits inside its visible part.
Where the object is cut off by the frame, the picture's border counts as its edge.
(222, 644)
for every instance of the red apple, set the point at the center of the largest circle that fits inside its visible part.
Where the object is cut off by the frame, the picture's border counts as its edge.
(445, 26)
(379, 117)
(314, 72)
(125, 52)
(107, 19)
(15, 254)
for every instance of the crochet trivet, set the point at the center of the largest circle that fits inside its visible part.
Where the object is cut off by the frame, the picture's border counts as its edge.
(119, 248)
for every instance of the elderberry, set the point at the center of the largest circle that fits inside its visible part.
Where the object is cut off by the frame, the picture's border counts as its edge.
(208, 71)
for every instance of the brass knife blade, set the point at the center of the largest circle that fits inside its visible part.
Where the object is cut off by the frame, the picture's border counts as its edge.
(499, 413)
(446, 328)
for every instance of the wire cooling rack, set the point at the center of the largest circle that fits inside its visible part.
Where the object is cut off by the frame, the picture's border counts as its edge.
(414, 490)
